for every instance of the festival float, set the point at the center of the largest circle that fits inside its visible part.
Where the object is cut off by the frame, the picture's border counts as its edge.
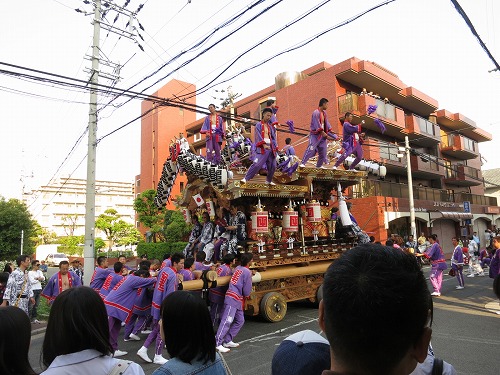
(290, 230)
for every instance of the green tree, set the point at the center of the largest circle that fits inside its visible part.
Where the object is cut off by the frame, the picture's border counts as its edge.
(43, 236)
(110, 224)
(176, 229)
(149, 214)
(71, 245)
(14, 219)
(69, 223)
(99, 244)
(127, 235)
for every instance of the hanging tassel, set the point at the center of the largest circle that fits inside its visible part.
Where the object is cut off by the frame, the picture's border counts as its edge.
(380, 125)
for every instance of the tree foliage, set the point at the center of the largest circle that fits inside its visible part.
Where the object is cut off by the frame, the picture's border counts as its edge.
(176, 229)
(111, 225)
(69, 223)
(15, 218)
(71, 245)
(128, 234)
(149, 214)
(43, 236)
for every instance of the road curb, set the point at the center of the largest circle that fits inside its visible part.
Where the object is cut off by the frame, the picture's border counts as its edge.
(38, 331)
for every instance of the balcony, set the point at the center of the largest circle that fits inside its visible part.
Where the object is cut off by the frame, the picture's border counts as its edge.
(462, 175)
(389, 189)
(391, 116)
(425, 166)
(459, 147)
(460, 123)
(422, 132)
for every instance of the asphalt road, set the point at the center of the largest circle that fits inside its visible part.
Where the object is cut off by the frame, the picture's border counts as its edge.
(465, 333)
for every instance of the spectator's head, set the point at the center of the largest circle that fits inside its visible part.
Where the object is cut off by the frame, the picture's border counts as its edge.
(122, 258)
(118, 267)
(23, 260)
(8, 268)
(186, 327)
(14, 341)
(288, 141)
(470, 238)
(64, 267)
(376, 311)
(432, 238)
(454, 241)
(410, 237)
(194, 219)
(35, 264)
(78, 321)
(4, 277)
(228, 259)
(389, 242)
(144, 257)
(102, 261)
(495, 242)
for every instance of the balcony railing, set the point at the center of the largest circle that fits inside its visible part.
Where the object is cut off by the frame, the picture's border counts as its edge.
(386, 110)
(348, 103)
(389, 189)
(426, 127)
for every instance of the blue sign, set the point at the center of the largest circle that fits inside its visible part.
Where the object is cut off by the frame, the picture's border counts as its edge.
(468, 221)
(467, 206)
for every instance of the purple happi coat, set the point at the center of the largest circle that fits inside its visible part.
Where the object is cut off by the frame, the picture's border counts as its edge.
(187, 275)
(99, 277)
(166, 284)
(54, 285)
(436, 255)
(240, 287)
(120, 301)
(217, 294)
(110, 282)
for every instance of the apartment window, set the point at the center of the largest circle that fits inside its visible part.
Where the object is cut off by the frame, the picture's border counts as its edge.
(389, 152)
(469, 144)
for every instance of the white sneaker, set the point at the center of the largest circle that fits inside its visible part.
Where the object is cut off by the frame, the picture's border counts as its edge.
(481, 274)
(302, 166)
(460, 287)
(334, 167)
(471, 275)
(119, 353)
(270, 183)
(231, 344)
(36, 321)
(243, 181)
(159, 360)
(323, 167)
(132, 337)
(146, 332)
(222, 349)
(437, 294)
(123, 324)
(143, 353)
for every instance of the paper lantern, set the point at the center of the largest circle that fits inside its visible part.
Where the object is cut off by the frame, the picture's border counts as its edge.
(210, 208)
(344, 213)
(383, 170)
(260, 222)
(187, 215)
(313, 210)
(290, 221)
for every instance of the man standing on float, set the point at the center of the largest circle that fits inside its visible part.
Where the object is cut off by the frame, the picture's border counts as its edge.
(351, 142)
(212, 127)
(320, 131)
(265, 148)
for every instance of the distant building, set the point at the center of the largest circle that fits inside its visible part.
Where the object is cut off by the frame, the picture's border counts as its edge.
(492, 189)
(60, 206)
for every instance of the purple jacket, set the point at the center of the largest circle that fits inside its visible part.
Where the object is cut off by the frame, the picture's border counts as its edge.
(198, 266)
(142, 304)
(495, 264)
(348, 135)
(260, 135)
(457, 259)
(120, 301)
(319, 121)
(240, 287)
(436, 255)
(218, 132)
(186, 274)
(98, 278)
(166, 284)
(54, 285)
(110, 282)
(217, 294)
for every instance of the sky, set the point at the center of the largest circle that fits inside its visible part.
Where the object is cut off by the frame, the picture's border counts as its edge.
(426, 43)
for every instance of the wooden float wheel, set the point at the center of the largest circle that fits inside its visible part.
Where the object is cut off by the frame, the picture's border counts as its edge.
(273, 307)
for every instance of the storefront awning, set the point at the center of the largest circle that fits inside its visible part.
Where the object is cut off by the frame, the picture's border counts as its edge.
(451, 215)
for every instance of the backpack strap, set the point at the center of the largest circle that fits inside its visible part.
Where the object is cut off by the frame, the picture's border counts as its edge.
(120, 367)
(437, 366)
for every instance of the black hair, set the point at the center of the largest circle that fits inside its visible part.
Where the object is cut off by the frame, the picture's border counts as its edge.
(62, 263)
(176, 258)
(246, 258)
(389, 242)
(118, 267)
(188, 262)
(267, 110)
(433, 236)
(4, 277)
(166, 256)
(347, 114)
(334, 209)
(34, 262)
(101, 260)
(187, 327)
(288, 141)
(374, 294)
(14, 341)
(122, 256)
(78, 321)
(322, 101)
(213, 105)
(195, 217)
(200, 256)
(372, 239)
(145, 265)
(142, 273)
(228, 258)
(8, 268)
(270, 102)
(20, 259)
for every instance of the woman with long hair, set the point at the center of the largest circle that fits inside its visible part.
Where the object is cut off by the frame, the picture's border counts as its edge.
(15, 340)
(77, 337)
(187, 331)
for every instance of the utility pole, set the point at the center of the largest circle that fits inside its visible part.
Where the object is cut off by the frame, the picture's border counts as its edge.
(413, 228)
(89, 249)
(22, 241)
